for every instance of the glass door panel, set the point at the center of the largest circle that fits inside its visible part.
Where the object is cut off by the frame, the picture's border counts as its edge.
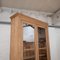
(42, 44)
(28, 42)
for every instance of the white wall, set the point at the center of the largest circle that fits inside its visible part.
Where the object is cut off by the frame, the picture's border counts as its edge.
(54, 38)
(56, 18)
(58, 43)
(4, 42)
(43, 16)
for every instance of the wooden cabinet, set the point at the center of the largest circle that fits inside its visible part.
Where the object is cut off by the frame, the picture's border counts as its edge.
(29, 39)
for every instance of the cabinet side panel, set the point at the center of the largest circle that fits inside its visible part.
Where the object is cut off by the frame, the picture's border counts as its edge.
(12, 39)
(16, 38)
(47, 43)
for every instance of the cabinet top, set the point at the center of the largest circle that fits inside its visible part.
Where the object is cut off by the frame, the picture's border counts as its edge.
(16, 14)
(27, 18)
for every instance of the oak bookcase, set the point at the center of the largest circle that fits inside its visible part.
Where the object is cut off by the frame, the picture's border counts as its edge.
(29, 38)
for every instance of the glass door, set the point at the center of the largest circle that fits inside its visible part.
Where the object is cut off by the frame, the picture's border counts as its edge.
(42, 44)
(28, 42)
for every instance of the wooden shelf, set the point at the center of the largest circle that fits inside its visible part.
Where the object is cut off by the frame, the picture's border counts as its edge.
(42, 55)
(33, 49)
(28, 49)
(42, 48)
(29, 57)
